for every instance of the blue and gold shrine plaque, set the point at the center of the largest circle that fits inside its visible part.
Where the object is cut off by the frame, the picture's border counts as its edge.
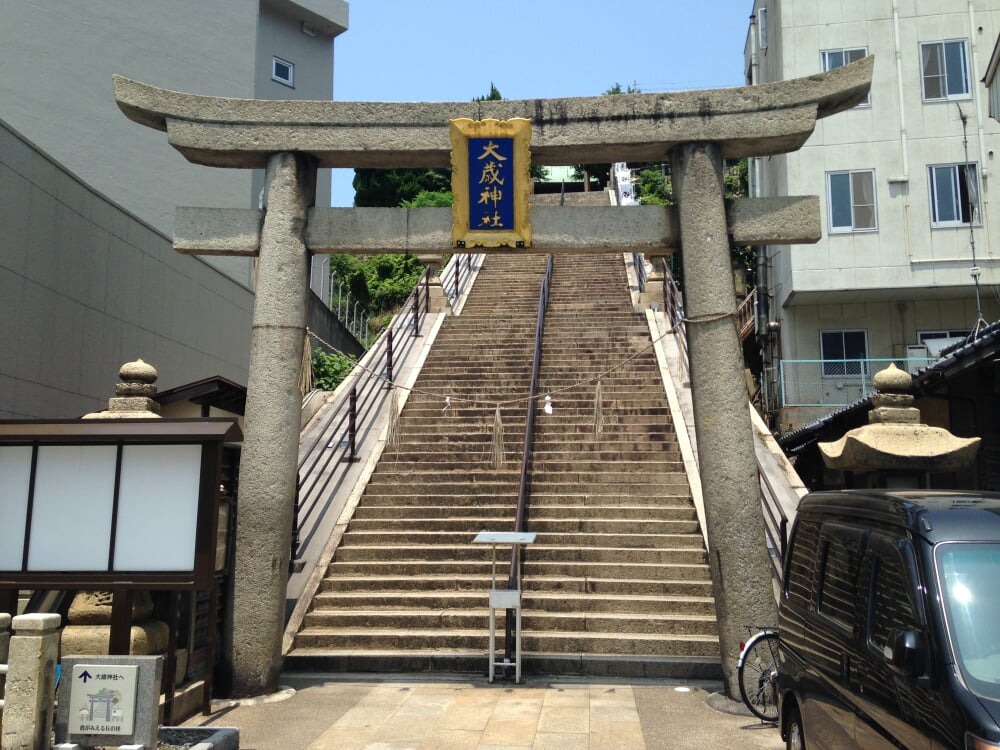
(491, 182)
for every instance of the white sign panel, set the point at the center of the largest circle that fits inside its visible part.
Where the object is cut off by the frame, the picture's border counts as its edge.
(102, 699)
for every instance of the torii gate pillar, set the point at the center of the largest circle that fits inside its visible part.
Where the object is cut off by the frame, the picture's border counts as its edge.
(268, 466)
(727, 463)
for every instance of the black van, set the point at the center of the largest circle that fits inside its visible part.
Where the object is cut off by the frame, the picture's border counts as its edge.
(889, 621)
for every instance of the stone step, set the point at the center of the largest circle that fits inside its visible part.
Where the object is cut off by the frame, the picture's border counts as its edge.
(412, 660)
(532, 621)
(532, 641)
(552, 586)
(690, 566)
(608, 528)
(537, 602)
(684, 551)
(445, 540)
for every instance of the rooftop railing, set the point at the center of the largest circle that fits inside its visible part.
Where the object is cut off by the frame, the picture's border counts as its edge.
(835, 382)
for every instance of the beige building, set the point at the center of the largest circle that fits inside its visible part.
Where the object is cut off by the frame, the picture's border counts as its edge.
(904, 192)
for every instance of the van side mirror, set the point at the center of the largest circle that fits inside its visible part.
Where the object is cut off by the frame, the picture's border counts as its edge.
(907, 652)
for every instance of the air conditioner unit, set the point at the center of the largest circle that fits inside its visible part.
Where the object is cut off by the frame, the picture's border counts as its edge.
(916, 357)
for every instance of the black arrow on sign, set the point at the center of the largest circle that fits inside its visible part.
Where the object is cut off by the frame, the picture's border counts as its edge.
(86, 676)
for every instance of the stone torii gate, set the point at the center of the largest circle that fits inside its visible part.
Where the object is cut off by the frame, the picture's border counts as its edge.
(694, 130)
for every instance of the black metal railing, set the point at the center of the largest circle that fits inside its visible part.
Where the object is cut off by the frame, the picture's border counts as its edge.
(349, 421)
(775, 524)
(527, 453)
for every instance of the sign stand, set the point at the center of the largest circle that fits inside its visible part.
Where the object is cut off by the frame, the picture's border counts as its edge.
(506, 598)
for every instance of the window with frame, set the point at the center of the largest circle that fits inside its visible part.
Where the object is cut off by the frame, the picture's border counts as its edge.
(945, 68)
(283, 72)
(954, 192)
(852, 201)
(924, 336)
(838, 590)
(762, 27)
(891, 606)
(844, 353)
(837, 58)
(804, 551)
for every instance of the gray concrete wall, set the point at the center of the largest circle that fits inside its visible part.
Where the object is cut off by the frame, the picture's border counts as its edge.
(61, 95)
(85, 286)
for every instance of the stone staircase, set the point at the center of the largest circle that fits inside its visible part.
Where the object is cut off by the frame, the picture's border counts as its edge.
(617, 582)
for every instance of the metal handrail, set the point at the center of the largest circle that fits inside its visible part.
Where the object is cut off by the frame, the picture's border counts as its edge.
(324, 463)
(775, 523)
(674, 303)
(526, 455)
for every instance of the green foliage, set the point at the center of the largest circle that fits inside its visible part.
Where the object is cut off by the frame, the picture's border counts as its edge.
(330, 369)
(632, 88)
(654, 186)
(390, 280)
(388, 188)
(428, 198)
(493, 96)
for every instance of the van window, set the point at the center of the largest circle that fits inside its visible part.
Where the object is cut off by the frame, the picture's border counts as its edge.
(967, 578)
(892, 607)
(801, 562)
(841, 561)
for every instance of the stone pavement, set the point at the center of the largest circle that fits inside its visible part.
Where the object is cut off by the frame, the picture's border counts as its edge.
(421, 712)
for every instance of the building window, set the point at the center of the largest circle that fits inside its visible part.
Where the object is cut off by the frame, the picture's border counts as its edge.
(762, 27)
(283, 71)
(924, 336)
(945, 70)
(844, 353)
(852, 201)
(954, 192)
(837, 58)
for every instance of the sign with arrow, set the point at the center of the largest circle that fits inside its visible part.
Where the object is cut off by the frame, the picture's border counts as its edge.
(102, 699)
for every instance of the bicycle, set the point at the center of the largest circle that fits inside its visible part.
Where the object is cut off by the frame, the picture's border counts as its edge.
(757, 671)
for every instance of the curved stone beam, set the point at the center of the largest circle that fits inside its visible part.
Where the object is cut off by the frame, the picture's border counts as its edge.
(770, 118)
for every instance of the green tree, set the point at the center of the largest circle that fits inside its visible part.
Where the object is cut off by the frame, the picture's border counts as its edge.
(330, 368)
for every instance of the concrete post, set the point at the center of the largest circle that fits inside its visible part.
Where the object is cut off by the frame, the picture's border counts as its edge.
(737, 551)
(30, 693)
(438, 299)
(268, 472)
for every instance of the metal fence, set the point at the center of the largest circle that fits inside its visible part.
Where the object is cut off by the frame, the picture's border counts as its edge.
(835, 382)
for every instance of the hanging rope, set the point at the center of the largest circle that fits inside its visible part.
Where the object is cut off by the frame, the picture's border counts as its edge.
(392, 433)
(496, 444)
(472, 402)
(306, 367)
(598, 409)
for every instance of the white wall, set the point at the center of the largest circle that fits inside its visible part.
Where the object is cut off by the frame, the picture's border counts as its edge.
(859, 280)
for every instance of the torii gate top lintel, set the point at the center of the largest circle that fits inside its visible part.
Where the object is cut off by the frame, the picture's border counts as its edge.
(744, 121)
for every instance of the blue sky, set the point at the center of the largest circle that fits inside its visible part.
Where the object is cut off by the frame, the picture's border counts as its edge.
(451, 50)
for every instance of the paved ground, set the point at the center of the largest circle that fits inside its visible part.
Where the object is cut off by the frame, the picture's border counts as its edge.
(361, 712)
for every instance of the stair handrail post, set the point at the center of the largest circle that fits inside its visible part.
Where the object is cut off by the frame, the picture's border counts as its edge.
(352, 422)
(415, 312)
(388, 357)
(526, 454)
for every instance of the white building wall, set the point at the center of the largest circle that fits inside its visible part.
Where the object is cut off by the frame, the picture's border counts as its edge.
(905, 276)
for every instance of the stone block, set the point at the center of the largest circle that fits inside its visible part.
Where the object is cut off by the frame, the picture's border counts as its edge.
(147, 637)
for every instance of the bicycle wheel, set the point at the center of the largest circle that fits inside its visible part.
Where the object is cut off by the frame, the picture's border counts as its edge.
(758, 668)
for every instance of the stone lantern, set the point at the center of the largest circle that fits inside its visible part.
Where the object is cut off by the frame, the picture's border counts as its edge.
(895, 442)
